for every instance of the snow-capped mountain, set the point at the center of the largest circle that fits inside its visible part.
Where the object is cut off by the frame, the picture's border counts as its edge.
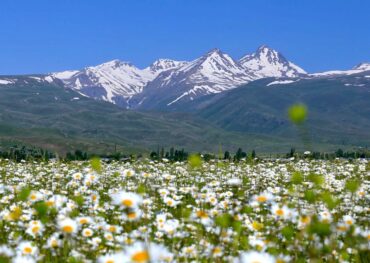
(363, 67)
(114, 81)
(167, 82)
(266, 62)
(214, 72)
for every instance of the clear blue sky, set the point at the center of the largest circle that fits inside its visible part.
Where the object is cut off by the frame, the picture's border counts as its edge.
(51, 35)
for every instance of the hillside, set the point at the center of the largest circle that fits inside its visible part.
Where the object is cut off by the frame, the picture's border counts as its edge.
(339, 109)
(36, 112)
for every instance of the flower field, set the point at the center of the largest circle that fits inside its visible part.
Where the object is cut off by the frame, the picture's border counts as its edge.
(257, 211)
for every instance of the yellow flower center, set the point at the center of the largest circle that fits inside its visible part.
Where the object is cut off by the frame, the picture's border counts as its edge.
(35, 229)
(131, 215)
(27, 250)
(257, 226)
(88, 233)
(189, 250)
(67, 229)
(54, 243)
(83, 221)
(127, 202)
(202, 214)
(261, 199)
(141, 256)
(305, 219)
(217, 250)
(349, 222)
(109, 261)
(50, 203)
(279, 212)
(342, 228)
(112, 229)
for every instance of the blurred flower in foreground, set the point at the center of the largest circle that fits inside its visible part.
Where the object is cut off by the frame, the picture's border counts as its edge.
(297, 113)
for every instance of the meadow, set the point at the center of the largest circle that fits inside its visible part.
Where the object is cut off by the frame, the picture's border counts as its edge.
(195, 211)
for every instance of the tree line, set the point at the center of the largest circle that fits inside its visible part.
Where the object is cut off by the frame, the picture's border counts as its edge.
(32, 153)
(28, 153)
(340, 153)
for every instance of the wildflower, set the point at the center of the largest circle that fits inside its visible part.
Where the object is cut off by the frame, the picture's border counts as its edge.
(234, 181)
(163, 192)
(325, 217)
(6, 251)
(113, 258)
(256, 257)
(203, 216)
(282, 212)
(87, 232)
(54, 242)
(348, 220)
(170, 226)
(170, 202)
(35, 196)
(77, 176)
(35, 228)
(128, 173)
(27, 249)
(217, 252)
(138, 253)
(132, 215)
(304, 220)
(261, 198)
(68, 226)
(126, 199)
(113, 229)
(84, 220)
(23, 259)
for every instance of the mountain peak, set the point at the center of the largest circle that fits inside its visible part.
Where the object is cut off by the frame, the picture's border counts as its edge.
(115, 64)
(269, 53)
(365, 66)
(214, 50)
(216, 61)
(165, 64)
(267, 62)
(264, 47)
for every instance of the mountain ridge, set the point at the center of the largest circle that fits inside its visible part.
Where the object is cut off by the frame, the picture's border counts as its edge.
(128, 86)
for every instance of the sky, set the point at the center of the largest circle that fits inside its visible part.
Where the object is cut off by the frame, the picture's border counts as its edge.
(42, 36)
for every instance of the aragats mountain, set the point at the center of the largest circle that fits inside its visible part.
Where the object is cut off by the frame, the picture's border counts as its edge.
(197, 105)
(167, 82)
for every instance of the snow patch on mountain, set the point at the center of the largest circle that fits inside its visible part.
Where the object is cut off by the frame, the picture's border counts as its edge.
(6, 82)
(363, 67)
(280, 82)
